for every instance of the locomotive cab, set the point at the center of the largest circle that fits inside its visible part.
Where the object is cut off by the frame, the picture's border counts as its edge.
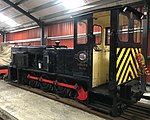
(111, 66)
(101, 50)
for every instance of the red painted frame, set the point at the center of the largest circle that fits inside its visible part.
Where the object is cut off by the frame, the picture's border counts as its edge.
(4, 71)
(82, 94)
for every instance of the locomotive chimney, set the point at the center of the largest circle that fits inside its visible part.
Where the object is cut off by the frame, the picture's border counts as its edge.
(57, 43)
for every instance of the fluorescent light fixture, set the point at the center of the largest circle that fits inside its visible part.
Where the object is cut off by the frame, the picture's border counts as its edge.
(8, 21)
(71, 4)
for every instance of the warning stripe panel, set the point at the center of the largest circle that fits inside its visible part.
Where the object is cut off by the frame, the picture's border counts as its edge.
(127, 65)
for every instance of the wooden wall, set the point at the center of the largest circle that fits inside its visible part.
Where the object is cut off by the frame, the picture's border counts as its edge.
(60, 29)
(55, 30)
(24, 35)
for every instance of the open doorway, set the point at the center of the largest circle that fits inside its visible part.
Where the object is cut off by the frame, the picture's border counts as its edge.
(101, 50)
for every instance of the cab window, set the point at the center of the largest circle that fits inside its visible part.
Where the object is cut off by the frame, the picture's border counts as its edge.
(123, 27)
(138, 31)
(98, 35)
(82, 32)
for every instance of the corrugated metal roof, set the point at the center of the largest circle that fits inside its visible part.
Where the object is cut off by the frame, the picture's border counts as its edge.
(49, 10)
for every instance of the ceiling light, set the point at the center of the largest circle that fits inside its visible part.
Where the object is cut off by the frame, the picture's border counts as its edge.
(8, 21)
(71, 4)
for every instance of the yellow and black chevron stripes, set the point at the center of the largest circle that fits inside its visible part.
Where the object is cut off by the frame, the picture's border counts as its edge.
(127, 65)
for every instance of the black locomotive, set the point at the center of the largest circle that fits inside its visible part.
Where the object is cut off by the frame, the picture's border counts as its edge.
(102, 76)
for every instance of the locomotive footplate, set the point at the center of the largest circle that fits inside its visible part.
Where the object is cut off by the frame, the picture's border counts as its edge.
(101, 99)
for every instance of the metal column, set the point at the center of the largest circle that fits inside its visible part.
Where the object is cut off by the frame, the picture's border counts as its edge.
(42, 34)
(145, 35)
(3, 33)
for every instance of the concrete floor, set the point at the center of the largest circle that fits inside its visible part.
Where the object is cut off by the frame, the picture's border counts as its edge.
(25, 105)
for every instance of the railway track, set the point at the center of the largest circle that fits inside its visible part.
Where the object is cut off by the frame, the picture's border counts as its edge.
(138, 111)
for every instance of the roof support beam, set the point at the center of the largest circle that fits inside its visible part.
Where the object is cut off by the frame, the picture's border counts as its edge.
(17, 2)
(41, 7)
(23, 12)
(39, 22)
